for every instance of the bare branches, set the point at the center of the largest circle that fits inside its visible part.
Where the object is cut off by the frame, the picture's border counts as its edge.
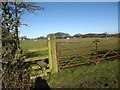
(14, 74)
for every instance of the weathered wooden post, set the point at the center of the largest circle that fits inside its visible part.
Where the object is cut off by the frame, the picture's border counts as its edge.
(52, 54)
(49, 52)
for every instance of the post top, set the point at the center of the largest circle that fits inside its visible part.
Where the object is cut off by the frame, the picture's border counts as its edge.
(48, 38)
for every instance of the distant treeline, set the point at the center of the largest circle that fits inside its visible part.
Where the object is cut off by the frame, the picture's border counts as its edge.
(61, 35)
(93, 35)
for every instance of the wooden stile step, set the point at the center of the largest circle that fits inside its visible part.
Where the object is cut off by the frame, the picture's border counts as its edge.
(38, 66)
(37, 49)
(35, 58)
(35, 74)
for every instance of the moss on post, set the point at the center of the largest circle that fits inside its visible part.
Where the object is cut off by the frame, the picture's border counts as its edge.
(52, 54)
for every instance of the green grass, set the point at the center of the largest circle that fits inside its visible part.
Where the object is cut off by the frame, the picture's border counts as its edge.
(28, 44)
(103, 75)
(87, 48)
(31, 44)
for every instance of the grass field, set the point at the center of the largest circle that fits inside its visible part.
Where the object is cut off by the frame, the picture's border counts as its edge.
(28, 44)
(103, 75)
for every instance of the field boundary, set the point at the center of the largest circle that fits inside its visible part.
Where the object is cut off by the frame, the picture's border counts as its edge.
(78, 58)
(58, 62)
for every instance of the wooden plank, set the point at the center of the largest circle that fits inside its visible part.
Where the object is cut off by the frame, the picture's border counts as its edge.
(36, 49)
(39, 74)
(35, 58)
(49, 51)
(36, 66)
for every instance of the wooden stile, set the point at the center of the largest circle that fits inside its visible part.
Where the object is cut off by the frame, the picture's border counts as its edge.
(52, 58)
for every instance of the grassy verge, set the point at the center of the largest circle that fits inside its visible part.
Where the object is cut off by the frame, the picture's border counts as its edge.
(103, 75)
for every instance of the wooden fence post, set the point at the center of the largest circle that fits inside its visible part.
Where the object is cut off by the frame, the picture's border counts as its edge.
(52, 54)
(49, 52)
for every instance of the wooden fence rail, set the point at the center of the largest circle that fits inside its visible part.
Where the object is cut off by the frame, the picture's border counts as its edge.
(37, 49)
(35, 58)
